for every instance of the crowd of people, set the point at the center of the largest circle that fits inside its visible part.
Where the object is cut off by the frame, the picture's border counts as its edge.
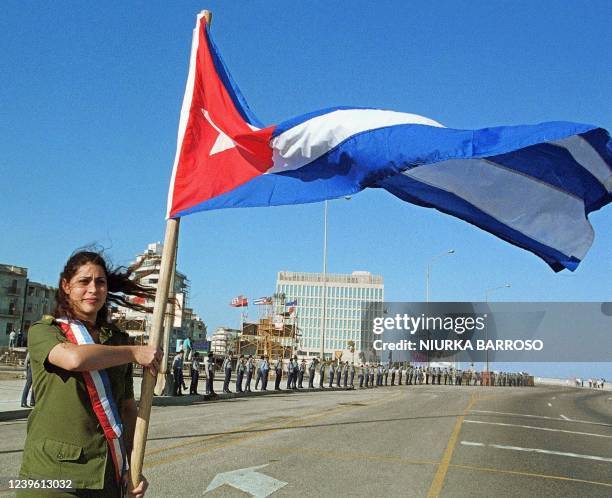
(593, 383)
(327, 373)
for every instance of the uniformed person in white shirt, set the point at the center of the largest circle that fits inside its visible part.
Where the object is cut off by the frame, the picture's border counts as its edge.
(312, 366)
(227, 371)
(250, 367)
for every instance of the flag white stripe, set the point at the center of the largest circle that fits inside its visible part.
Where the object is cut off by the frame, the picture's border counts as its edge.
(184, 117)
(311, 139)
(538, 210)
(584, 154)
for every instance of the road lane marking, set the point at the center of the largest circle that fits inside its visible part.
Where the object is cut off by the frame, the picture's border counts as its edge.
(536, 428)
(528, 474)
(554, 397)
(540, 450)
(542, 417)
(564, 417)
(438, 480)
(549, 404)
(248, 480)
(470, 443)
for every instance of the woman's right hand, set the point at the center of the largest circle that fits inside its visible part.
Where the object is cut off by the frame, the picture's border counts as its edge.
(149, 357)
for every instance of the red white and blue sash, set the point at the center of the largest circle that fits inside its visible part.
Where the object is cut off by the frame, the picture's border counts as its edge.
(101, 397)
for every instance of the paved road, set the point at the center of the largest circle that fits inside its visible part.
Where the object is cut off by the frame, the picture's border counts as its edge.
(397, 441)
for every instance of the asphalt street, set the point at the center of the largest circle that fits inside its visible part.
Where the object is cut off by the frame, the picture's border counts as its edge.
(417, 441)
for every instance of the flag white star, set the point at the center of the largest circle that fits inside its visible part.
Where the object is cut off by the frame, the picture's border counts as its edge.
(223, 142)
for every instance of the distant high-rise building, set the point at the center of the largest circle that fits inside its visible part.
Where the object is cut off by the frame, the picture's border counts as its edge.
(137, 323)
(346, 296)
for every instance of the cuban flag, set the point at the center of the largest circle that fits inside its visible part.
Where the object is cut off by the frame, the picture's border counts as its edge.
(532, 185)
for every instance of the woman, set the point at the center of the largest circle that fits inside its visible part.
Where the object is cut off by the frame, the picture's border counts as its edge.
(81, 431)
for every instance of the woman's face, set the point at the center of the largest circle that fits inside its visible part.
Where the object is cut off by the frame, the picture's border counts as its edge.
(87, 291)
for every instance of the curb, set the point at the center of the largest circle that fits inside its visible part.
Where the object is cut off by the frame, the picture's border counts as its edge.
(15, 414)
(190, 399)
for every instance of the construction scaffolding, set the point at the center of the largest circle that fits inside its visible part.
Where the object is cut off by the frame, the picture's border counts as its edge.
(270, 336)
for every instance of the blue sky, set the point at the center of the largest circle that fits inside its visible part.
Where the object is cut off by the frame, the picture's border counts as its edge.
(91, 92)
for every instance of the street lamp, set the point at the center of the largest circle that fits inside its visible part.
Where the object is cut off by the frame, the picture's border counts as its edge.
(488, 292)
(324, 281)
(450, 251)
(346, 198)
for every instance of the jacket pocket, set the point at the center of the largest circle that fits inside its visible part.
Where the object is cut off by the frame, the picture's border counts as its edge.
(62, 452)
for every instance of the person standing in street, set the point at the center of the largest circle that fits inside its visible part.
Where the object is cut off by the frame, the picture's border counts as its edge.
(278, 369)
(372, 375)
(345, 372)
(265, 372)
(26, 389)
(339, 374)
(296, 372)
(240, 368)
(302, 371)
(187, 349)
(209, 367)
(227, 372)
(393, 375)
(332, 373)
(195, 373)
(352, 375)
(290, 374)
(258, 373)
(177, 372)
(321, 374)
(312, 366)
(250, 367)
(12, 339)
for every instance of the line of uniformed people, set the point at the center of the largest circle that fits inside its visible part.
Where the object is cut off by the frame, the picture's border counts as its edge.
(342, 374)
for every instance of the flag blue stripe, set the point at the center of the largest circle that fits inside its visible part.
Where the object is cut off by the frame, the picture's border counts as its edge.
(232, 89)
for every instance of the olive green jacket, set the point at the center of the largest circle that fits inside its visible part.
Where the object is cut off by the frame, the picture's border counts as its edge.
(64, 439)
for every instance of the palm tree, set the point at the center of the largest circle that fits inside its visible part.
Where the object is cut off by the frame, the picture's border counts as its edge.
(351, 348)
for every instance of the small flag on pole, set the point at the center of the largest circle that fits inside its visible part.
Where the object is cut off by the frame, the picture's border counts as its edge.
(239, 302)
(291, 303)
(262, 300)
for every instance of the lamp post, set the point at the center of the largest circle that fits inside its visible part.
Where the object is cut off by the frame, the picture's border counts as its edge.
(347, 198)
(450, 251)
(488, 292)
(324, 281)
(431, 261)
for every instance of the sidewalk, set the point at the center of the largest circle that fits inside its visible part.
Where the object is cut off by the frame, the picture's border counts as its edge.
(11, 389)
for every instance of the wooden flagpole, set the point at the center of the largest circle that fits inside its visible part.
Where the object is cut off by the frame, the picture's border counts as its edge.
(161, 299)
(148, 380)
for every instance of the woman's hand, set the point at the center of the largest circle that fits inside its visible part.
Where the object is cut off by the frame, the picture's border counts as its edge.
(138, 491)
(149, 357)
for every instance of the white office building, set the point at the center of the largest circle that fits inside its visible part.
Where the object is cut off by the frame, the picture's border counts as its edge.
(347, 297)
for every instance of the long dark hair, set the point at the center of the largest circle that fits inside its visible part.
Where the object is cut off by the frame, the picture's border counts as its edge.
(121, 286)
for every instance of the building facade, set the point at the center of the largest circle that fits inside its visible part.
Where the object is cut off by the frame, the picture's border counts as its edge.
(224, 340)
(138, 324)
(22, 302)
(346, 301)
